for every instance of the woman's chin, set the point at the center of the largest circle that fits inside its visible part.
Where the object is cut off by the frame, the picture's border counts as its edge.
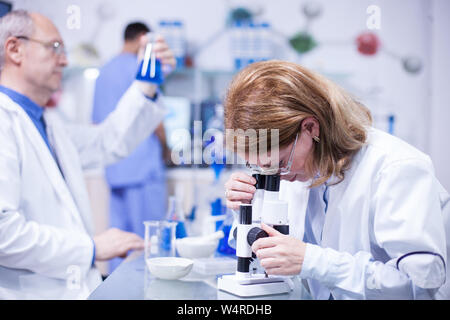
(289, 178)
(295, 177)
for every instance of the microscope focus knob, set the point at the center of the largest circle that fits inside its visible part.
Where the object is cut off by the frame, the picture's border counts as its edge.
(254, 234)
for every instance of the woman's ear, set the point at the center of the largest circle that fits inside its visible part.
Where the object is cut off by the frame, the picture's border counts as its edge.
(311, 126)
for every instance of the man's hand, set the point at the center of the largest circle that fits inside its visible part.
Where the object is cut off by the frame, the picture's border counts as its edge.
(116, 243)
(164, 53)
(279, 254)
(161, 49)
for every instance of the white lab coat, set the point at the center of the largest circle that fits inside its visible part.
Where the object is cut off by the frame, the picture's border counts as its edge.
(385, 234)
(46, 228)
(386, 231)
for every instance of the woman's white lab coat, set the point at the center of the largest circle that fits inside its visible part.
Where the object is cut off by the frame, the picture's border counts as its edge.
(46, 228)
(385, 233)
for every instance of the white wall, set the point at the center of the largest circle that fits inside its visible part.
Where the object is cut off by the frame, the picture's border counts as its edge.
(440, 91)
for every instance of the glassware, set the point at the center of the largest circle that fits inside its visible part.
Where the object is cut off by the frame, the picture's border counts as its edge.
(159, 239)
(150, 69)
(175, 214)
(225, 226)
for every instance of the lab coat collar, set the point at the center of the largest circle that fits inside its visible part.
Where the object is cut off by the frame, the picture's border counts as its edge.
(31, 108)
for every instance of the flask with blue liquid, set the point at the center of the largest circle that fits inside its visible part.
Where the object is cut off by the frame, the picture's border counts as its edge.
(176, 214)
(224, 247)
(150, 69)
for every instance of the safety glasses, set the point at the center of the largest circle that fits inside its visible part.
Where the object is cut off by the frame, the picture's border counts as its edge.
(56, 46)
(271, 171)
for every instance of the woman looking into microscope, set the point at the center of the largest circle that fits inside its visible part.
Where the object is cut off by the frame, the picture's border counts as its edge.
(375, 224)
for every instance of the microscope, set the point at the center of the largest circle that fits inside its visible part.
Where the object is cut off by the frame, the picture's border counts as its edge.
(268, 208)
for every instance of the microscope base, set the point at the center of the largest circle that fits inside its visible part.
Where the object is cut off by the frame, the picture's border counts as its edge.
(256, 285)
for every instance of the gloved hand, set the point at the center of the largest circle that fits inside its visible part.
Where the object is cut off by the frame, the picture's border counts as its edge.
(164, 54)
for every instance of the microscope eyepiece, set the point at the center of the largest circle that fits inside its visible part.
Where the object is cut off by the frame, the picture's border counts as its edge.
(260, 181)
(273, 183)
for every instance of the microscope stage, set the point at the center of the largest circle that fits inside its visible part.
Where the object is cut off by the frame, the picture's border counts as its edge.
(256, 285)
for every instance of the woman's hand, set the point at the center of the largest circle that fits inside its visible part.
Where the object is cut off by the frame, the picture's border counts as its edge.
(239, 189)
(279, 254)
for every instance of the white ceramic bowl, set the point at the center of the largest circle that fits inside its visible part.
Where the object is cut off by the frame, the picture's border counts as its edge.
(169, 268)
(196, 247)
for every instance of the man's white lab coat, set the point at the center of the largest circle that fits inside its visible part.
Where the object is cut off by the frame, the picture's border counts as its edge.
(46, 228)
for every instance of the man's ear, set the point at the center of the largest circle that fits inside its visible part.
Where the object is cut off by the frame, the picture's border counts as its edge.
(14, 51)
(311, 126)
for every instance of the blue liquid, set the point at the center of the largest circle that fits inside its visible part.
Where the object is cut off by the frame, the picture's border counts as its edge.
(157, 79)
(180, 231)
(166, 239)
(391, 120)
(181, 62)
(217, 167)
(223, 244)
(217, 208)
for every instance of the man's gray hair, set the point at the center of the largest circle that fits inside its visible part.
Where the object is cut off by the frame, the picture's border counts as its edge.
(15, 23)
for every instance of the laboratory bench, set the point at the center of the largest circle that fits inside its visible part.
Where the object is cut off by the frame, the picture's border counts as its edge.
(132, 281)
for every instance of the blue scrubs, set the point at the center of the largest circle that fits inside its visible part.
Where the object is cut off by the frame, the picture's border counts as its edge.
(137, 183)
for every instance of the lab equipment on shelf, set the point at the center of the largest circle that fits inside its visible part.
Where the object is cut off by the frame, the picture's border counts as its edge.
(250, 42)
(173, 32)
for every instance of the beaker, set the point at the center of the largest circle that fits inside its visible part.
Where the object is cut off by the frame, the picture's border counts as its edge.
(159, 239)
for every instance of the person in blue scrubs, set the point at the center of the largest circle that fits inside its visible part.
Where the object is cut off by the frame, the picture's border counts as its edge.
(137, 183)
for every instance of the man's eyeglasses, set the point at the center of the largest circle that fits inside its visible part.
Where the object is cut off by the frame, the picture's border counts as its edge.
(56, 46)
(271, 171)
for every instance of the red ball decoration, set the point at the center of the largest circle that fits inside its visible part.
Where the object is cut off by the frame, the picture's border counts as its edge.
(368, 43)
